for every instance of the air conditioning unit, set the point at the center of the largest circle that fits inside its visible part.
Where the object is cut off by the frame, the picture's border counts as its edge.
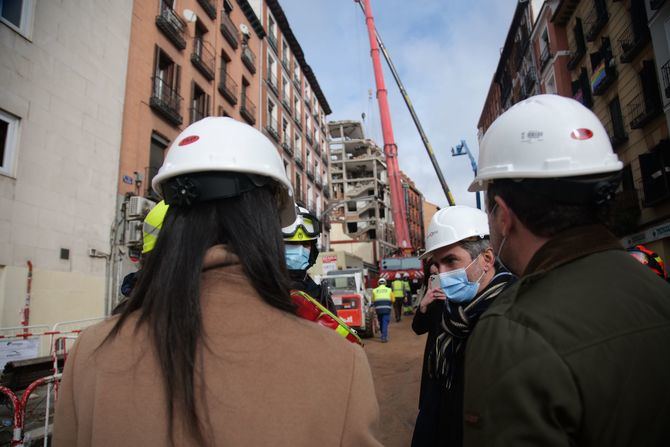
(134, 234)
(138, 207)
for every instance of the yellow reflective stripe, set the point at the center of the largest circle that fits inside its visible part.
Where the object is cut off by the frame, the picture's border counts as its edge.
(150, 230)
(342, 331)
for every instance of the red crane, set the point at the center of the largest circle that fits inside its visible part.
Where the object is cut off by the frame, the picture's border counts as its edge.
(390, 148)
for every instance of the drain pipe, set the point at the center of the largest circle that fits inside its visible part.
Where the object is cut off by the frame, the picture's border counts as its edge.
(26, 305)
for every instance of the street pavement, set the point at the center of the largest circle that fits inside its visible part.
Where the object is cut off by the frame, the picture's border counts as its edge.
(396, 369)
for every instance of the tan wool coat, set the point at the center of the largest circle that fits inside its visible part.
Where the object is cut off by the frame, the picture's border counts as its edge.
(268, 378)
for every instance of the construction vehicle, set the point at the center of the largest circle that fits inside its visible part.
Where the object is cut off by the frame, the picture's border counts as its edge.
(352, 301)
(403, 262)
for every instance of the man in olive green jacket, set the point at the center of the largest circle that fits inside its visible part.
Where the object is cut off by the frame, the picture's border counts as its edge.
(577, 352)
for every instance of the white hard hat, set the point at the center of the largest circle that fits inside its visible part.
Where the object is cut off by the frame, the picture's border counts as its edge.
(397, 276)
(544, 136)
(454, 224)
(223, 144)
(381, 281)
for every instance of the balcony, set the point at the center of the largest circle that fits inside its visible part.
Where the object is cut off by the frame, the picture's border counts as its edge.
(285, 63)
(309, 137)
(665, 73)
(272, 129)
(196, 114)
(296, 120)
(310, 172)
(616, 132)
(228, 88)
(209, 7)
(272, 40)
(326, 191)
(529, 81)
(642, 111)
(165, 101)
(173, 26)
(228, 30)
(271, 81)
(576, 57)
(603, 76)
(324, 156)
(596, 20)
(296, 80)
(298, 157)
(286, 145)
(317, 181)
(631, 43)
(248, 110)
(203, 58)
(545, 57)
(249, 59)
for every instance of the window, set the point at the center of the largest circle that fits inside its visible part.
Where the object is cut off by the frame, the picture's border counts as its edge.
(9, 140)
(286, 91)
(285, 55)
(655, 170)
(156, 155)
(617, 130)
(285, 131)
(272, 32)
(18, 15)
(298, 186)
(199, 103)
(227, 7)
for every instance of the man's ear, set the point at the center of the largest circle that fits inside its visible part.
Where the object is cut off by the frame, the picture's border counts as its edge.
(488, 259)
(505, 216)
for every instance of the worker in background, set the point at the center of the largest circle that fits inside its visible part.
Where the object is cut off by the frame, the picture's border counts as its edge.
(398, 286)
(407, 298)
(210, 333)
(150, 228)
(382, 299)
(649, 258)
(457, 243)
(576, 351)
(300, 243)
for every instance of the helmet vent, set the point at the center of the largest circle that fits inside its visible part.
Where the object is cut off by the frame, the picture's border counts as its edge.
(188, 140)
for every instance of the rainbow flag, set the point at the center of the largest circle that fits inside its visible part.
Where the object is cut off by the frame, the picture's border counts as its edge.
(598, 76)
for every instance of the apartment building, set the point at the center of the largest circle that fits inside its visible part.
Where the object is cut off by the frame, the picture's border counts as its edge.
(361, 203)
(414, 211)
(61, 107)
(188, 59)
(294, 111)
(600, 53)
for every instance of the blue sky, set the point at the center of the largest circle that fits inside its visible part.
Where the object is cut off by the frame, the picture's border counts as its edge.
(446, 52)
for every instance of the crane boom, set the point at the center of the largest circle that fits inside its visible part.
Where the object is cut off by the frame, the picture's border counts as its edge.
(415, 117)
(390, 148)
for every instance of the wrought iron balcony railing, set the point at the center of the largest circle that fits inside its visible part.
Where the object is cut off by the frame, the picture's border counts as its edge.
(173, 26)
(248, 110)
(642, 110)
(228, 30)
(203, 58)
(166, 101)
(249, 59)
(228, 88)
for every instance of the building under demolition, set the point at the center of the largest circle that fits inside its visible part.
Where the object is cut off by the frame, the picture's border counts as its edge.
(361, 203)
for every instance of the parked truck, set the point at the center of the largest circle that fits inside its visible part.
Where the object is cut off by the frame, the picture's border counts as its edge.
(352, 301)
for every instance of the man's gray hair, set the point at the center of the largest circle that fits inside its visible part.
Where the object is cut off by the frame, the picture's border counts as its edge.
(475, 247)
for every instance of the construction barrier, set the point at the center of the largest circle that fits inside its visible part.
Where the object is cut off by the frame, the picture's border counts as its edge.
(31, 413)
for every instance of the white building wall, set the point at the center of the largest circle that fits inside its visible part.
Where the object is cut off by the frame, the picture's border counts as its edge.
(65, 81)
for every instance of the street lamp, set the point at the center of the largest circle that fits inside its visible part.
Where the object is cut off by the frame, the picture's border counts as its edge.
(463, 149)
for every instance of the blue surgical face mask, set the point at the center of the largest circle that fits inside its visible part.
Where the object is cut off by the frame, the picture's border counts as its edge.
(297, 257)
(457, 286)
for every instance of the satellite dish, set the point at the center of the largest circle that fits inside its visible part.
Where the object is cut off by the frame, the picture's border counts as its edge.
(244, 28)
(190, 15)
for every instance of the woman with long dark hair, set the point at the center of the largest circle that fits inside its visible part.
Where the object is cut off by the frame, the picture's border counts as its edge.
(208, 350)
